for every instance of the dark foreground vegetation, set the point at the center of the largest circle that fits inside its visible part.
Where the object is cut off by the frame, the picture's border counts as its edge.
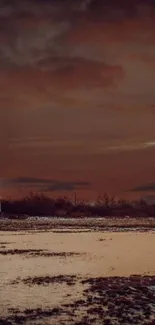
(41, 205)
(104, 301)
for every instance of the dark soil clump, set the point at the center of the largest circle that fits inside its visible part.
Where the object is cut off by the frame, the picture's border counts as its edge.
(105, 301)
(37, 253)
(69, 280)
(20, 251)
(31, 315)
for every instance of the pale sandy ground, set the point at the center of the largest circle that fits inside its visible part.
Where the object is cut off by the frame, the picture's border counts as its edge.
(108, 254)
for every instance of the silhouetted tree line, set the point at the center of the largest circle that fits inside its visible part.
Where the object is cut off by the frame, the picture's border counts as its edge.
(41, 205)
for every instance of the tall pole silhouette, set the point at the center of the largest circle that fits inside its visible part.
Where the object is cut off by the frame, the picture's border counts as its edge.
(75, 199)
(1, 197)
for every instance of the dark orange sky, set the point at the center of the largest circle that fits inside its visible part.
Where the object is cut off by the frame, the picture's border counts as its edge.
(77, 93)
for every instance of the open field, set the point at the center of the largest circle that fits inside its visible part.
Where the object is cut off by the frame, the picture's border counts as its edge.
(76, 273)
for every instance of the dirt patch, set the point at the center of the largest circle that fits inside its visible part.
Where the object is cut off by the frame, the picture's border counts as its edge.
(127, 300)
(5, 243)
(30, 315)
(37, 252)
(61, 254)
(46, 280)
(70, 231)
(20, 251)
(5, 321)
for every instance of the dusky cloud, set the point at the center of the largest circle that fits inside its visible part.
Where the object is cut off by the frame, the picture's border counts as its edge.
(47, 185)
(150, 187)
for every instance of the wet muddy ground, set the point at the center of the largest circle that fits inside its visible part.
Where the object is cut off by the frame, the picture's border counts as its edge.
(109, 301)
(73, 277)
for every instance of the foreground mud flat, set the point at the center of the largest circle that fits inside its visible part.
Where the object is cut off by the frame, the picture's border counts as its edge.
(106, 301)
(67, 277)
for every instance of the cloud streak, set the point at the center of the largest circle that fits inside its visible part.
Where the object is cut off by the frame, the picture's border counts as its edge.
(46, 185)
(132, 146)
(150, 187)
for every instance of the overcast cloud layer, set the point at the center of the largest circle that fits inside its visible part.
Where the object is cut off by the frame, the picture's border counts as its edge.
(77, 94)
